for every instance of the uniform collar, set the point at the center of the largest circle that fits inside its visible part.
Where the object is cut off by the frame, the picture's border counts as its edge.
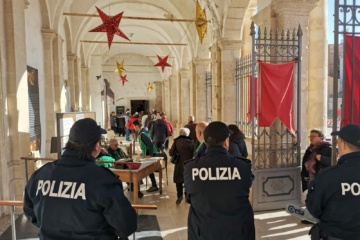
(72, 157)
(354, 156)
(216, 149)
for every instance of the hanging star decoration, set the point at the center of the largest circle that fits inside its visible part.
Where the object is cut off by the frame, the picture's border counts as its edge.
(200, 21)
(150, 87)
(162, 62)
(110, 26)
(120, 68)
(123, 79)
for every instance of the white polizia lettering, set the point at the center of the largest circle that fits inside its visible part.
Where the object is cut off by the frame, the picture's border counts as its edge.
(354, 188)
(64, 189)
(216, 174)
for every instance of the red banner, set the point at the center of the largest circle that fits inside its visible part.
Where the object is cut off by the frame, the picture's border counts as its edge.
(276, 99)
(249, 113)
(351, 94)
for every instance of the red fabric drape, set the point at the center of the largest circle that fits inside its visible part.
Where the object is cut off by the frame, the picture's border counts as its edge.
(351, 94)
(276, 99)
(249, 113)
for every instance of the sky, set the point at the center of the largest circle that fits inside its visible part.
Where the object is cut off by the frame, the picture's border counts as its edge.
(331, 21)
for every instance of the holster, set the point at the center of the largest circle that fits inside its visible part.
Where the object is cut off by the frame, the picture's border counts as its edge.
(315, 233)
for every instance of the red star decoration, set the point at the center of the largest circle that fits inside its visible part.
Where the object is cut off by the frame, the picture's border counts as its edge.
(110, 26)
(123, 79)
(162, 62)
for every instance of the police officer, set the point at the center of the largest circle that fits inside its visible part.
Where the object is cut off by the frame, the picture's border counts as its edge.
(217, 187)
(73, 198)
(334, 195)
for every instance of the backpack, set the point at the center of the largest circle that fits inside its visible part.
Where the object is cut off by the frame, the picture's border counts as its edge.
(169, 128)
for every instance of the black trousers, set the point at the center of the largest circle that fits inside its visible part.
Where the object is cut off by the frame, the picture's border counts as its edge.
(153, 180)
(160, 146)
(179, 189)
(114, 129)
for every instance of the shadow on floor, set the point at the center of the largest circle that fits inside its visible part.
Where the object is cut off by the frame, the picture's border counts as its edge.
(148, 229)
(280, 227)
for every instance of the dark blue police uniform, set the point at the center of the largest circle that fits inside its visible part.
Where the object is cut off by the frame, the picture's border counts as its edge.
(84, 201)
(217, 187)
(334, 198)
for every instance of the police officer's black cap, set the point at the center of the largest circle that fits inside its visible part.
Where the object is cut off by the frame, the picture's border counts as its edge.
(350, 134)
(216, 132)
(85, 131)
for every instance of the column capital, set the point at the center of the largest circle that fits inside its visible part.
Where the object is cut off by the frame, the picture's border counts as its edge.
(26, 4)
(184, 70)
(293, 7)
(228, 44)
(84, 69)
(201, 61)
(173, 76)
(48, 34)
(184, 73)
(70, 57)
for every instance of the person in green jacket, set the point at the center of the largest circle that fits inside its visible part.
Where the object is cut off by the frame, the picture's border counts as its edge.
(147, 149)
(104, 156)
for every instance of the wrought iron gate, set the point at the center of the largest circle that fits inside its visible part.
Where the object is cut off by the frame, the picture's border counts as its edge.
(275, 152)
(347, 22)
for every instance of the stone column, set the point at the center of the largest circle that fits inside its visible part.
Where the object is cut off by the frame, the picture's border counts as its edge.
(215, 82)
(318, 68)
(50, 123)
(77, 82)
(14, 123)
(201, 66)
(184, 83)
(71, 78)
(290, 13)
(95, 87)
(230, 50)
(192, 89)
(58, 72)
(158, 95)
(174, 101)
(166, 97)
(84, 103)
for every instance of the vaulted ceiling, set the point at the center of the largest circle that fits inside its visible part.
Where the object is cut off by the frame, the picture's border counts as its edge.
(225, 20)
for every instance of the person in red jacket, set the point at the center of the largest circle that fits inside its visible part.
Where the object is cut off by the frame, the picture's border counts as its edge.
(131, 123)
(169, 128)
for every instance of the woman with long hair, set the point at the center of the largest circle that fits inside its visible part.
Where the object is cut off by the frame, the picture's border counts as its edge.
(238, 137)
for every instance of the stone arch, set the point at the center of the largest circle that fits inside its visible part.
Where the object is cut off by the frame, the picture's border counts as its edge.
(185, 58)
(68, 39)
(245, 28)
(45, 18)
(234, 19)
(82, 56)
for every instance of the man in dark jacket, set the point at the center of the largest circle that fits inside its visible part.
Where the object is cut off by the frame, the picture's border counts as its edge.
(217, 187)
(191, 126)
(201, 148)
(114, 150)
(333, 196)
(159, 133)
(73, 198)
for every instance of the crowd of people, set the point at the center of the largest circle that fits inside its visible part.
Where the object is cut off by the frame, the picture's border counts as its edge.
(212, 173)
